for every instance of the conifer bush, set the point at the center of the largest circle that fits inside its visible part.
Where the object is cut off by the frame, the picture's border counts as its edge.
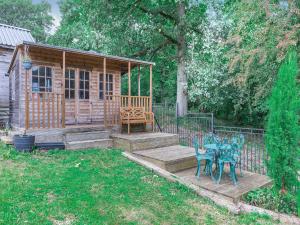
(282, 137)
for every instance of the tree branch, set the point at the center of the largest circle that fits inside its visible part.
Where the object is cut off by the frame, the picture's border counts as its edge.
(152, 51)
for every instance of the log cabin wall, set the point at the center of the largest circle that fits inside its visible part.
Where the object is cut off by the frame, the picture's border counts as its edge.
(5, 58)
(45, 110)
(14, 93)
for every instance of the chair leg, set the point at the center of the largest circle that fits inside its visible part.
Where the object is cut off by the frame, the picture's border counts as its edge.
(199, 169)
(233, 174)
(210, 170)
(221, 167)
(128, 128)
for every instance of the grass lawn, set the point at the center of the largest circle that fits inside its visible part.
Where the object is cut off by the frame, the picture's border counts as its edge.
(98, 187)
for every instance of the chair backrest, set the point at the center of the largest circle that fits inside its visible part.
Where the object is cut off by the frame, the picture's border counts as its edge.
(211, 139)
(239, 140)
(232, 151)
(136, 113)
(196, 145)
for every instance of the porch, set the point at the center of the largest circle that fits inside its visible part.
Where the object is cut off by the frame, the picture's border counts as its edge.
(73, 88)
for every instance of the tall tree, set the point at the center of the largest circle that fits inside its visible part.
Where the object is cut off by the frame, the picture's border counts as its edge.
(138, 28)
(25, 14)
(257, 43)
(282, 138)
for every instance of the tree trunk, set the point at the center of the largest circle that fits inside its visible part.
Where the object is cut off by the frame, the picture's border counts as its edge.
(181, 76)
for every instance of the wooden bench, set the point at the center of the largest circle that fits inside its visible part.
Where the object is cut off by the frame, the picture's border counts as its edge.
(135, 115)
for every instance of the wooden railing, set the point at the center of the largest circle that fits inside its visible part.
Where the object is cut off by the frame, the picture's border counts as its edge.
(44, 110)
(114, 102)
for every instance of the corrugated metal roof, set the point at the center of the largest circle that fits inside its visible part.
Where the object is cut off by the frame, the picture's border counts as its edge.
(11, 36)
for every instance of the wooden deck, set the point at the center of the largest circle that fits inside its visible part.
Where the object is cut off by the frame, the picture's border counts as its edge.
(246, 183)
(180, 162)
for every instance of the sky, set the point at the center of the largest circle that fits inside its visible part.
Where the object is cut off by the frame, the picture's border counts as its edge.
(54, 11)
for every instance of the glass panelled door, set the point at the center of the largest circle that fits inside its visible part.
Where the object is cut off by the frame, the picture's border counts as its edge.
(77, 94)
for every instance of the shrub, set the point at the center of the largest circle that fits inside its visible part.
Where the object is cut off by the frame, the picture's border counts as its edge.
(270, 198)
(282, 137)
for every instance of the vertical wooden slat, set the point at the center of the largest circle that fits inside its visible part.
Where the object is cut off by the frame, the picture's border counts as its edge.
(32, 111)
(53, 110)
(63, 117)
(48, 108)
(104, 92)
(129, 83)
(44, 110)
(77, 95)
(57, 110)
(150, 91)
(139, 80)
(39, 111)
(26, 101)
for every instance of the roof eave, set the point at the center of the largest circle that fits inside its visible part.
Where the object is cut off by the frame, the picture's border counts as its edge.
(70, 50)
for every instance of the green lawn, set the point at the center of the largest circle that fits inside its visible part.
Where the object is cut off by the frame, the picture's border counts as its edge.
(98, 187)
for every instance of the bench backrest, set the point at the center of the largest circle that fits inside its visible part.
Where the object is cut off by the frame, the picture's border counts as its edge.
(132, 113)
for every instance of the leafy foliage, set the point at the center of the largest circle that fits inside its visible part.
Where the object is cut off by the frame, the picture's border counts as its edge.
(282, 138)
(269, 198)
(25, 14)
(257, 42)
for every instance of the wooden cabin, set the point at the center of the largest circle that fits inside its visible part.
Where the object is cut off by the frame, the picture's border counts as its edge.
(69, 87)
(10, 36)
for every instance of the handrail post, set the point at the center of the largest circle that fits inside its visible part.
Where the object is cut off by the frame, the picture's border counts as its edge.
(129, 83)
(150, 91)
(104, 92)
(26, 101)
(63, 92)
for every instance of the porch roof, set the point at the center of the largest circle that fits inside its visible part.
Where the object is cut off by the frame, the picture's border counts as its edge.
(122, 60)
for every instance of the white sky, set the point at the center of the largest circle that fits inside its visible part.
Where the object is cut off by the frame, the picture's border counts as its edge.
(54, 11)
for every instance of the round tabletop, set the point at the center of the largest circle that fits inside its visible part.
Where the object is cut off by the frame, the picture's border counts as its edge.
(217, 147)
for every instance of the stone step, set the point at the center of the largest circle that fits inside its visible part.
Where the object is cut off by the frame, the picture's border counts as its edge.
(84, 136)
(100, 143)
(143, 141)
(172, 158)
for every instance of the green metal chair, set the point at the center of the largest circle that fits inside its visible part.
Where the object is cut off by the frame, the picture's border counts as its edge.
(229, 155)
(240, 141)
(207, 156)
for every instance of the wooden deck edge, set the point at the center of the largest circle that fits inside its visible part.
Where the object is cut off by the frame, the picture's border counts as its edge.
(226, 202)
(219, 200)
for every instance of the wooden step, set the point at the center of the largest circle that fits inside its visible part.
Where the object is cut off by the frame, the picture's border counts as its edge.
(84, 136)
(100, 143)
(172, 158)
(143, 141)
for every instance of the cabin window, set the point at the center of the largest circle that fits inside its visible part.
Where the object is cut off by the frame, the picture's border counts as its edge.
(41, 79)
(84, 85)
(70, 84)
(109, 85)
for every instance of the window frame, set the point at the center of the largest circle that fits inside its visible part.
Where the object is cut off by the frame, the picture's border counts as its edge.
(46, 88)
(107, 85)
(85, 89)
(68, 80)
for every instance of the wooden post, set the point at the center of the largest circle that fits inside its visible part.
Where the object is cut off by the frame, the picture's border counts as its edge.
(139, 81)
(26, 101)
(104, 92)
(129, 83)
(150, 92)
(63, 104)
(139, 85)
